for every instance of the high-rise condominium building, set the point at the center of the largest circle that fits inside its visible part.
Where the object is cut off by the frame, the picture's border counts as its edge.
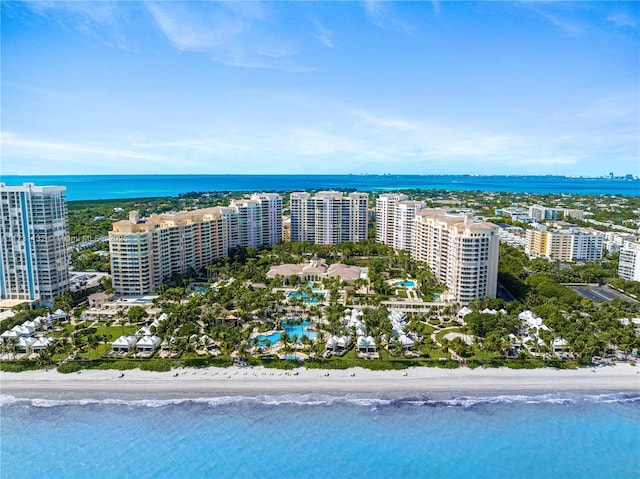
(146, 252)
(328, 217)
(566, 245)
(259, 219)
(395, 220)
(34, 262)
(462, 253)
(629, 265)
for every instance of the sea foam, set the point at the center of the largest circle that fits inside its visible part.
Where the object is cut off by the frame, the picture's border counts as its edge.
(324, 400)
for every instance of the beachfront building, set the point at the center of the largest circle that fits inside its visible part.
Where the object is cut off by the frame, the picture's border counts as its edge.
(328, 217)
(461, 252)
(629, 264)
(34, 262)
(146, 252)
(574, 244)
(395, 220)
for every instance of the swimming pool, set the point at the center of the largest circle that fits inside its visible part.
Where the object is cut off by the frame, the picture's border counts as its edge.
(406, 284)
(305, 296)
(298, 330)
(291, 357)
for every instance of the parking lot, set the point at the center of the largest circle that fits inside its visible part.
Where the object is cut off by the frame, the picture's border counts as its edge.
(600, 293)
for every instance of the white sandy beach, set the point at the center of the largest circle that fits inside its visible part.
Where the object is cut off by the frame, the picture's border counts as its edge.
(221, 381)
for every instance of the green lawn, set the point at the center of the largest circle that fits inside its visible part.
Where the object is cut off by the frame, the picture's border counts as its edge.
(435, 352)
(484, 355)
(441, 334)
(96, 353)
(427, 330)
(114, 332)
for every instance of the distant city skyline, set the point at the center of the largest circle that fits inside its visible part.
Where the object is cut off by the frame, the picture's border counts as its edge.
(327, 87)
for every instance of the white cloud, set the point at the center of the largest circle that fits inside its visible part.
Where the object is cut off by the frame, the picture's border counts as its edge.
(234, 34)
(102, 21)
(384, 122)
(199, 26)
(380, 14)
(623, 19)
(323, 34)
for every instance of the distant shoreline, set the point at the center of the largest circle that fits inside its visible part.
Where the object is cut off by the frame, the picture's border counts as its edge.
(189, 382)
(112, 187)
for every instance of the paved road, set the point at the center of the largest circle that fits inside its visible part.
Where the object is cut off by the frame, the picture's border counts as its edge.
(600, 293)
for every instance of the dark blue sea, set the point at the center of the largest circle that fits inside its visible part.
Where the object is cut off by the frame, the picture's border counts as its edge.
(144, 186)
(320, 436)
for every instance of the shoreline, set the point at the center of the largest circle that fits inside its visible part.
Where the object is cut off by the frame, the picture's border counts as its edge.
(189, 382)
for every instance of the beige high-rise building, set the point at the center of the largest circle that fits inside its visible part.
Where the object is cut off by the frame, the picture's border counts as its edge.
(328, 217)
(147, 252)
(34, 261)
(395, 220)
(462, 253)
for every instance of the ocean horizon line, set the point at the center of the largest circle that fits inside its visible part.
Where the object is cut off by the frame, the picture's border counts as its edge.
(127, 186)
(480, 175)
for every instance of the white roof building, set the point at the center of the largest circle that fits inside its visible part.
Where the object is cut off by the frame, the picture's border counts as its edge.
(42, 343)
(148, 344)
(144, 331)
(22, 330)
(367, 344)
(24, 344)
(10, 333)
(124, 343)
(532, 321)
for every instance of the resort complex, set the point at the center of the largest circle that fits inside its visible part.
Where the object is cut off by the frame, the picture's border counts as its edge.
(210, 278)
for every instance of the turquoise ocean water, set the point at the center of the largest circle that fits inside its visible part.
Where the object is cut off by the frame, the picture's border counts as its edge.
(141, 186)
(318, 436)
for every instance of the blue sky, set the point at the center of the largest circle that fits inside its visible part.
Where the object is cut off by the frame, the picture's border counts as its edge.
(326, 87)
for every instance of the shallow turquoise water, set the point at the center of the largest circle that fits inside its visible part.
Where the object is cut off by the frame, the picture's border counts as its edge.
(292, 329)
(295, 436)
(304, 296)
(87, 187)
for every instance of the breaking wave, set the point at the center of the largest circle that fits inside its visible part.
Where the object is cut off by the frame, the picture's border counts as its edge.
(320, 400)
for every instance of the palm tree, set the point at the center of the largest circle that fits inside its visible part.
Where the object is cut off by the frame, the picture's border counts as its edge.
(11, 346)
(121, 317)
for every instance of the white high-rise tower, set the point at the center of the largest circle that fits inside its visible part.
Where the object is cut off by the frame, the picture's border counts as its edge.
(34, 263)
